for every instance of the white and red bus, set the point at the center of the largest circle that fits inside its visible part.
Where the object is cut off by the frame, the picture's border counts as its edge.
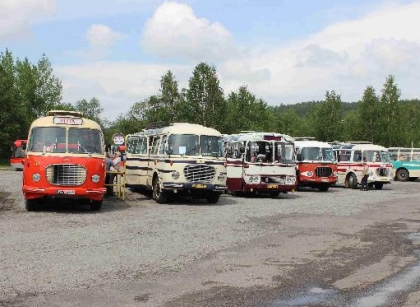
(18, 152)
(350, 164)
(64, 159)
(260, 162)
(316, 164)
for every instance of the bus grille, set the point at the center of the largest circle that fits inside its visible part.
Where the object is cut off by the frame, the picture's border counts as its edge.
(198, 172)
(382, 171)
(323, 171)
(66, 174)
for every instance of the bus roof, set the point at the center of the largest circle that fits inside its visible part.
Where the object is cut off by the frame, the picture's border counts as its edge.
(67, 120)
(363, 147)
(182, 128)
(64, 113)
(309, 143)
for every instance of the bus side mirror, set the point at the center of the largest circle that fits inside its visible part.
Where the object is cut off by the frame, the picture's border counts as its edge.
(299, 157)
(242, 150)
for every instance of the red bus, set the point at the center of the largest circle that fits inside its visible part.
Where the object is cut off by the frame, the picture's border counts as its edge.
(18, 152)
(64, 159)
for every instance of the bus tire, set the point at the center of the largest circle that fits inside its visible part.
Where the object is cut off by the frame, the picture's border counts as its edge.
(323, 187)
(402, 174)
(212, 197)
(379, 185)
(31, 204)
(158, 195)
(352, 180)
(96, 205)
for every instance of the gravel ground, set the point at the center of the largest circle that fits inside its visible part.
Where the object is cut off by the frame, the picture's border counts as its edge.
(67, 250)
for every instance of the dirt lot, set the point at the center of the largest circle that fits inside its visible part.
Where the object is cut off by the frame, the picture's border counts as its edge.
(340, 248)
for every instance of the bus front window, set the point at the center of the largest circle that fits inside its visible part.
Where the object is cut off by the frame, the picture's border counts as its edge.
(84, 140)
(46, 139)
(183, 144)
(211, 146)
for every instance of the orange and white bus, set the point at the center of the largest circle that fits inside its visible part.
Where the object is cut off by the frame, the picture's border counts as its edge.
(18, 153)
(260, 162)
(64, 159)
(350, 165)
(316, 164)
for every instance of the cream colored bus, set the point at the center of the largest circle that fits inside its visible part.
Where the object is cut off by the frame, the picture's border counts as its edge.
(181, 158)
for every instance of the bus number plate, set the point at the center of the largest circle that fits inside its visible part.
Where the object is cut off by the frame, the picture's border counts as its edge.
(199, 186)
(66, 192)
(272, 186)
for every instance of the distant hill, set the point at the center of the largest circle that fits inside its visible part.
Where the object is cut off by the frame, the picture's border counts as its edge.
(304, 108)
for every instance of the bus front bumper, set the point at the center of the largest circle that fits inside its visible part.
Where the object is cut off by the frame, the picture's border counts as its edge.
(63, 192)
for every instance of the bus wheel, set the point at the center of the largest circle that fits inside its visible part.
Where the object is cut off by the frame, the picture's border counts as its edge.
(158, 195)
(212, 198)
(96, 205)
(352, 179)
(379, 185)
(31, 204)
(402, 174)
(274, 194)
(323, 187)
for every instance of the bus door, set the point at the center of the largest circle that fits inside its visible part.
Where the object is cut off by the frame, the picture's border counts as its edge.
(137, 163)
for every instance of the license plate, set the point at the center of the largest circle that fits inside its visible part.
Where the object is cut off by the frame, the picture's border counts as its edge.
(66, 192)
(272, 186)
(199, 186)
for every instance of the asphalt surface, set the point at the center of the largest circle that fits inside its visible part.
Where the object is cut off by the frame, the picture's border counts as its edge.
(340, 248)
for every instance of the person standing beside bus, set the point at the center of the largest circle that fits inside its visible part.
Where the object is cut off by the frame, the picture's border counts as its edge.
(365, 174)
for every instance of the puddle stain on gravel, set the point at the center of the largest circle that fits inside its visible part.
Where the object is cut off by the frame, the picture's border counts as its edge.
(382, 294)
(7, 202)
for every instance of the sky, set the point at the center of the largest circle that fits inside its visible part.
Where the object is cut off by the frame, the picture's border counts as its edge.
(284, 51)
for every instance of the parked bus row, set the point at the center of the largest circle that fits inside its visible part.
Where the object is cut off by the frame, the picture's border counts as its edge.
(64, 158)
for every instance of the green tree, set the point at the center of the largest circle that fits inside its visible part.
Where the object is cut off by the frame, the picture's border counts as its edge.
(205, 97)
(10, 126)
(369, 111)
(91, 109)
(390, 123)
(245, 112)
(328, 118)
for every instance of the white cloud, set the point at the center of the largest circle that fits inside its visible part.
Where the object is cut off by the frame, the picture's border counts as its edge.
(175, 31)
(17, 16)
(117, 85)
(345, 57)
(101, 39)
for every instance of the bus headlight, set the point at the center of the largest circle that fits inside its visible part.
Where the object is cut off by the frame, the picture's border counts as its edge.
(96, 178)
(36, 177)
(221, 176)
(290, 180)
(175, 175)
(254, 179)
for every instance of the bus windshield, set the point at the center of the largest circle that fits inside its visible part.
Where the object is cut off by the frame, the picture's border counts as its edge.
(376, 156)
(270, 151)
(317, 154)
(194, 145)
(55, 139)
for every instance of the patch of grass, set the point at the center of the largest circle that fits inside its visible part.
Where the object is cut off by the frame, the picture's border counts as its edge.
(4, 162)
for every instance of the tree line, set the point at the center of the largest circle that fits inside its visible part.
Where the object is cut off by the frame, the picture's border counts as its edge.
(28, 91)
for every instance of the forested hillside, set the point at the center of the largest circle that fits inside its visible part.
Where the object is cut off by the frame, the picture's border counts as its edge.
(29, 90)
